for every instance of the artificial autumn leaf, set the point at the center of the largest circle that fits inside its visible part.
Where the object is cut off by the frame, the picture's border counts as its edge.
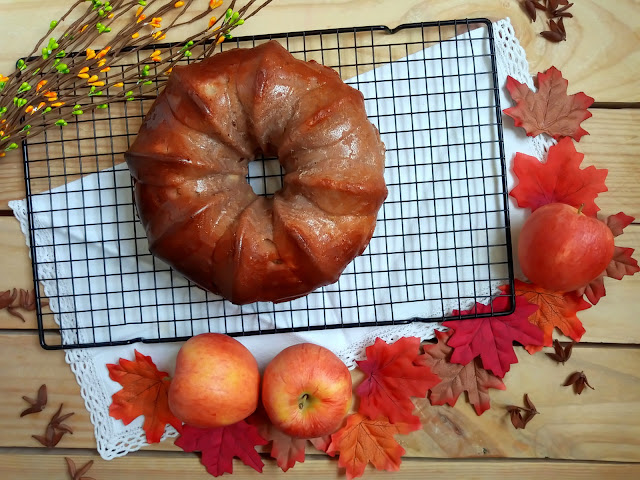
(558, 180)
(491, 338)
(285, 449)
(456, 378)
(560, 354)
(621, 264)
(549, 110)
(37, 404)
(220, 445)
(556, 310)
(363, 441)
(578, 380)
(393, 375)
(144, 392)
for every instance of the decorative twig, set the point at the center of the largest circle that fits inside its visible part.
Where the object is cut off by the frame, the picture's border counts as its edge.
(516, 413)
(561, 354)
(78, 474)
(55, 429)
(13, 299)
(38, 404)
(578, 380)
(48, 90)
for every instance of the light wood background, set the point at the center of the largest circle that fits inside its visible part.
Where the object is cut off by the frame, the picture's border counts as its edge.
(595, 435)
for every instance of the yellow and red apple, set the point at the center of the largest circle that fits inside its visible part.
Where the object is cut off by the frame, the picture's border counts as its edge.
(216, 382)
(306, 391)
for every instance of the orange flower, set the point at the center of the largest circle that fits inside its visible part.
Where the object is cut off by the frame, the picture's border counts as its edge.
(97, 84)
(102, 62)
(57, 104)
(212, 20)
(169, 71)
(139, 11)
(156, 53)
(103, 52)
(40, 84)
(105, 69)
(51, 96)
(29, 109)
(220, 40)
(83, 72)
(93, 78)
(215, 3)
(178, 4)
(135, 35)
(84, 28)
(3, 78)
(119, 84)
(155, 22)
(90, 54)
(141, 18)
(42, 104)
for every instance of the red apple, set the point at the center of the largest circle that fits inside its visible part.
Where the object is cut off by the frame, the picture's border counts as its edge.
(306, 391)
(562, 249)
(216, 382)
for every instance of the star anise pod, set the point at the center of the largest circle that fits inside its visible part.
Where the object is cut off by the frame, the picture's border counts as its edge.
(521, 416)
(561, 354)
(7, 298)
(38, 404)
(78, 474)
(530, 8)
(578, 380)
(12, 300)
(55, 429)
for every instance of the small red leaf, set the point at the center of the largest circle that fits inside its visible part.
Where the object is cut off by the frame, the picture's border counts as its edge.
(559, 179)
(220, 445)
(549, 110)
(618, 222)
(622, 263)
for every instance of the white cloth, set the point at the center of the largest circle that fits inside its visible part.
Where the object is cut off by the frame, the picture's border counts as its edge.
(87, 201)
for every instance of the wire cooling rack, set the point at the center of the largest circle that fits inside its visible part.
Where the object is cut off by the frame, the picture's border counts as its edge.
(442, 241)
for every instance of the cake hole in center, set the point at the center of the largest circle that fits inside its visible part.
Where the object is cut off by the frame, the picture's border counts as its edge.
(265, 176)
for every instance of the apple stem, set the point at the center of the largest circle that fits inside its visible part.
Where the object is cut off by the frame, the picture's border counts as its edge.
(303, 399)
(580, 208)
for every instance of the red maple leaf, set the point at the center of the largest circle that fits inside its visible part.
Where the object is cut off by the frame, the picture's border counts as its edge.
(144, 392)
(363, 441)
(549, 110)
(621, 264)
(220, 445)
(556, 310)
(285, 449)
(456, 378)
(394, 373)
(560, 179)
(491, 338)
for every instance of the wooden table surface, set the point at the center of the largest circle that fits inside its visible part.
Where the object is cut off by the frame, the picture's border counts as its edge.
(594, 435)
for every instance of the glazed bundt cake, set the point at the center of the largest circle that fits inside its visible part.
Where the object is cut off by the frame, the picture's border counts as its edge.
(189, 165)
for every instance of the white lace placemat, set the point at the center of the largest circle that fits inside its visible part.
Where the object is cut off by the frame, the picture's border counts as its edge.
(112, 437)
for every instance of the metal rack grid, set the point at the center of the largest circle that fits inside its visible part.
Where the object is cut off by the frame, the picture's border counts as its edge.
(442, 241)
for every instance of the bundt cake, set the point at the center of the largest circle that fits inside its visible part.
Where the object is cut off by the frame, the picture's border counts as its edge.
(189, 165)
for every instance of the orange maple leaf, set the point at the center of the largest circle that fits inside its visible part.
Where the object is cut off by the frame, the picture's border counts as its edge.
(144, 392)
(363, 441)
(549, 110)
(556, 309)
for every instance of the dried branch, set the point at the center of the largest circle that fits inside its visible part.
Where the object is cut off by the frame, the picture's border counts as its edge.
(48, 90)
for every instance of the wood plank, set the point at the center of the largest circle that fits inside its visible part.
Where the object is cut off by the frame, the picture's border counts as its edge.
(34, 465)
(613, 320)
(605, 65)
(589, 426)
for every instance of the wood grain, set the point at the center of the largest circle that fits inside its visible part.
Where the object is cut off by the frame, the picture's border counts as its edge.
(601, 424)
(33, 465)
(600, 56)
